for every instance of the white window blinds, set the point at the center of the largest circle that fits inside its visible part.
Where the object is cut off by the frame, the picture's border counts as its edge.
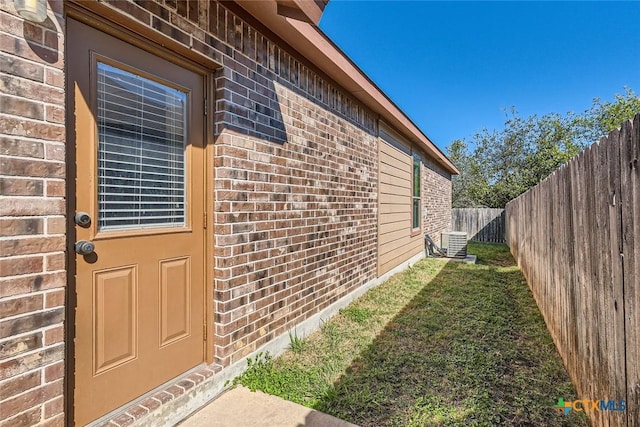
(141, 160)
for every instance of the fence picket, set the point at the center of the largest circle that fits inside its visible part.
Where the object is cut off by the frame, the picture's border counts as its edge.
(480, 224)
(575, 237)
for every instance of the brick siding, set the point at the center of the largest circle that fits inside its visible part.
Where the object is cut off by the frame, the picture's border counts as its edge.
(295, 223)
(295, 193)
(436, 200)
(32, 209)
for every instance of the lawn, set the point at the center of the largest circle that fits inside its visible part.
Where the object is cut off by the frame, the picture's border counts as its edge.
(440, 344)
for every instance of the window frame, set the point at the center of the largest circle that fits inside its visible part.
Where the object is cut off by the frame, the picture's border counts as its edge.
(416, 157)
(105, 138)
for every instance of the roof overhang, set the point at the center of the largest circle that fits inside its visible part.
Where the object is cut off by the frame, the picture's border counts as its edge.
(309, 41)
(309, 11)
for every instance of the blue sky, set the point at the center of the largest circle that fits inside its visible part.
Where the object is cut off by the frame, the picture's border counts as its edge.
(454, 67)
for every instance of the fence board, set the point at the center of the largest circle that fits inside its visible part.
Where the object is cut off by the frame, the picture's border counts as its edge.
(575, 237)
(480, 224)
(630, 229)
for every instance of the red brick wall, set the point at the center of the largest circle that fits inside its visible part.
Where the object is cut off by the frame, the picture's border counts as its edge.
(295, 195)
(436, 200)
(32, 223)
(296, 222)
(295, 190)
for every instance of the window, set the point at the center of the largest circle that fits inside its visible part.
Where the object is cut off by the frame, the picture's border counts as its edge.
(141, 164)
(416, 191)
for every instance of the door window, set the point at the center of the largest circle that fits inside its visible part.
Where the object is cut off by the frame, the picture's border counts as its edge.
(141, 151)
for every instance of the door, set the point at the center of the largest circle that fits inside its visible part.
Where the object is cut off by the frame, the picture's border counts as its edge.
(140, 182)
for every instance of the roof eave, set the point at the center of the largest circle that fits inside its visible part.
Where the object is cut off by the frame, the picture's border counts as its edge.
(309, 11)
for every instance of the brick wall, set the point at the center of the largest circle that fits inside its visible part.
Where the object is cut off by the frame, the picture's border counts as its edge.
(32, 223)
(436, 200)
(296, 223)
(295, 195)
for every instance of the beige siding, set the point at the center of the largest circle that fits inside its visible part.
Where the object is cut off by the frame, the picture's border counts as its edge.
(396, 244)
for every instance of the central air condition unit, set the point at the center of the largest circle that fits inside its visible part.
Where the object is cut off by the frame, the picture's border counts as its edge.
(455, 243)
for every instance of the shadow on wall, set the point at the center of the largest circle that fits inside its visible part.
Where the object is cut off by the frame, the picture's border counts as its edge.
(249, 107)
(42, 39)
(248, 99)
(260, 107)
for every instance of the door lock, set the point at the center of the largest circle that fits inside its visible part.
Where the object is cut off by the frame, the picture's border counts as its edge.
(82, 219)
(84, 248)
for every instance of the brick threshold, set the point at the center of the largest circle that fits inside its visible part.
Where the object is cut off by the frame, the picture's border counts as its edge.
(169, 403)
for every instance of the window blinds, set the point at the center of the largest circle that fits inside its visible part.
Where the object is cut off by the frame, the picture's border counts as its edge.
(141, 146)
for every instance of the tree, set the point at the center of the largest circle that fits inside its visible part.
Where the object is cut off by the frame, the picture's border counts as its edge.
(602, 118)
(469, 186)
(501, 157)
(554, 141)
(505, 163)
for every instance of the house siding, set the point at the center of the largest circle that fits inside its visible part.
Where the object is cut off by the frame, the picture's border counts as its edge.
(32, 220)
(436, 199)
(295, 190)
(397, 241)
(295, 221)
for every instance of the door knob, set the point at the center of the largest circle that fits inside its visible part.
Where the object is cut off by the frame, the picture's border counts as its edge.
(84, 248)
(82, 219)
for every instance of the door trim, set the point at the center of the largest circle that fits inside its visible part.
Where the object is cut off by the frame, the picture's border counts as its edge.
(119, 26)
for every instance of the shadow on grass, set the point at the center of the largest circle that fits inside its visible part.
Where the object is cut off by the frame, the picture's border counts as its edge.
(469, 349)
(447, 344)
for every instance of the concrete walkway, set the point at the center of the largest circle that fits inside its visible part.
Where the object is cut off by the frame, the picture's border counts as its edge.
(241, 407)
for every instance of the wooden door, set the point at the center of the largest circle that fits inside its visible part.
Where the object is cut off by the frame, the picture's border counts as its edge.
(138, 126)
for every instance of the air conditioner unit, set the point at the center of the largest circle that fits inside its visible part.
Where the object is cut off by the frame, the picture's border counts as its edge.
(455, 244)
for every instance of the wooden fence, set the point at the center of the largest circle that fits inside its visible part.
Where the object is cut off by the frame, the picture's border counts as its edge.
(481, 224)
(576, 237)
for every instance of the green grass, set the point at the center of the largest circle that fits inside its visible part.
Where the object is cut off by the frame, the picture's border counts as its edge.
(440, 344)
(296, 343)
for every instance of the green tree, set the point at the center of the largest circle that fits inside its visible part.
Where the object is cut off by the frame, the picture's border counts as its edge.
(501, 158)
(554, 140)
(505, 163)
(469, 186)
(602, 118)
